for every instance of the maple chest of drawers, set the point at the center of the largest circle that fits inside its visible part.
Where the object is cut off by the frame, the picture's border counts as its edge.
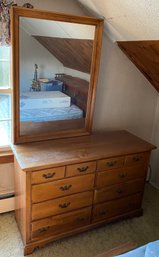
(67, 186)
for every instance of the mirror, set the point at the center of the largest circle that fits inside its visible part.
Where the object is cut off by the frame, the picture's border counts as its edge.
(55, 67)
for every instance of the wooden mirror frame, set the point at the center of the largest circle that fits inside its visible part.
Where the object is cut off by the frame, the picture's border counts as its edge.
(18, 12)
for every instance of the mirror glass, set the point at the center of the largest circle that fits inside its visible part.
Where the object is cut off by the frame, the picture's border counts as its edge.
(55, 66)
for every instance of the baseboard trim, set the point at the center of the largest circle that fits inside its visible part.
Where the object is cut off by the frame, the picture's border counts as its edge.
(7, 205)
(154, 185)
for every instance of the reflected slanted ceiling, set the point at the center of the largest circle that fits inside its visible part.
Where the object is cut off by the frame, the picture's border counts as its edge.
(72, 53)
(134, 23)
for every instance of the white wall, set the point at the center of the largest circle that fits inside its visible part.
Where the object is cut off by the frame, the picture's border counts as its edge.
(31, 52)
(6, 178)
(66, 6)
(155, 154)
(125, 99)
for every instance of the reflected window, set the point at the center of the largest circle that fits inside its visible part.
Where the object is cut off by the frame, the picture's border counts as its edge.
(5, 97)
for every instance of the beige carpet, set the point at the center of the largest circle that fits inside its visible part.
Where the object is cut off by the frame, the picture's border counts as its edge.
(139, 230)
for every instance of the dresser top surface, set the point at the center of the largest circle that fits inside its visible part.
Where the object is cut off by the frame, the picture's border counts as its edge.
(59, 152)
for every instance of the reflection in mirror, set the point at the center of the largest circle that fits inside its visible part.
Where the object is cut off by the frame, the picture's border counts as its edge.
(55, 67)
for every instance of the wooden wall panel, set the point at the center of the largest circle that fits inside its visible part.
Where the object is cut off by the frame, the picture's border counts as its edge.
(72, 53)
(145, 55)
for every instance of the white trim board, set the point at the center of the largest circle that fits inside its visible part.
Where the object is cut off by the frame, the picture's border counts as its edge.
(7, 205)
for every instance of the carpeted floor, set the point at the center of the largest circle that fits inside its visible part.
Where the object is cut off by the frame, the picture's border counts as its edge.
(140, 230)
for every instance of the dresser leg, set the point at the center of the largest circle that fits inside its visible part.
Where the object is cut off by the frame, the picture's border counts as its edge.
(28, 250)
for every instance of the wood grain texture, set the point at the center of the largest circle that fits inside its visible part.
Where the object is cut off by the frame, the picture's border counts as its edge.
(53, 153)
(75, 54)
(54, 207)
(76, 88)
(116, 207)
(64, 187)
(145, 55)
(116, 191)
(80, 169)
(22, 201)
(106, 178)
(110, 163)
(61, 223)
(6, 157)
(47, 175)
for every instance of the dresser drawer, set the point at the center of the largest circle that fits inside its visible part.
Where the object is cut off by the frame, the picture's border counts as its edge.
(47, 175)
(61, 223)
(119, 190)
(111, 163)
(61, 205)
(62, 187)
(116, 176)
(80, 169)
(137, 159)
(117, 207)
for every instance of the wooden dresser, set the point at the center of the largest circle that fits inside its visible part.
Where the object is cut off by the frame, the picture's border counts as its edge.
(67, 186)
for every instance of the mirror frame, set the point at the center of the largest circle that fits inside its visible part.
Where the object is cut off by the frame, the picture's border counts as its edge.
(16, 13)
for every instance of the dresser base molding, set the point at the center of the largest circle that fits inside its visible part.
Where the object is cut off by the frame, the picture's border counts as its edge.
(29, 248)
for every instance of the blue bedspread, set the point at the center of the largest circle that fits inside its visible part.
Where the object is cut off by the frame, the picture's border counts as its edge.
(149, 250)
(51, 114)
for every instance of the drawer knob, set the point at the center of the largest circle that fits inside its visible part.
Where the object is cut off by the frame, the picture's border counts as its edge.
(82, 169)
(65, 187)
(111, 164)
(41, 230)
(49, 175)
(137, 158)
(64, 205)
(123, 175)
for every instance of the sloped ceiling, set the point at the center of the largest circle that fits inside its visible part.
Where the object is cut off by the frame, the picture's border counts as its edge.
(72, 53)
(145, 55)
(127, 19)
(135, 24)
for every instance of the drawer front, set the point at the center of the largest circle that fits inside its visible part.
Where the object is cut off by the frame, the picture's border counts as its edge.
(61, 223)
(119, 190)
(61, 205)
(116, 176)
(137, 159)
(80, 169)
(47, 175)
(111, 163)
(117, 207)
(62, 187)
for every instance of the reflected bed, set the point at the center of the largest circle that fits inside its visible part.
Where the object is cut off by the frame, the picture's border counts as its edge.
(47, 106)
(51, 114)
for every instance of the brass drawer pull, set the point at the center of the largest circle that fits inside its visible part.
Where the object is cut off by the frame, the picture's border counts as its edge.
(49, 175)
(123, 175)
(137, 158)
(82, 169)
(82, 219)
(41, 230)
(64, 205)
(111, 164)
(65, 187)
